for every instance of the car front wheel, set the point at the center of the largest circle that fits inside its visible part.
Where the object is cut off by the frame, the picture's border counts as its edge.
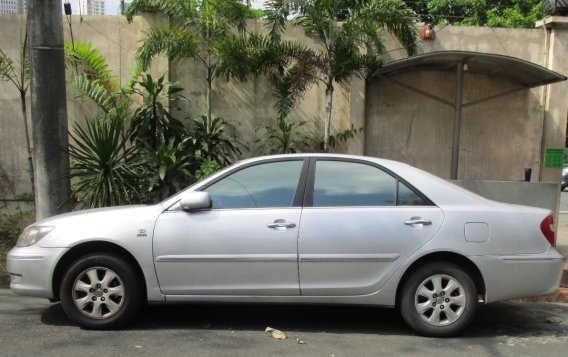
(101, 291)
(439, 300)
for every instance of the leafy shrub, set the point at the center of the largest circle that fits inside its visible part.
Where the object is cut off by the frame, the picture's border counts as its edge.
(11, 225)
(284, 138)
(108, 169)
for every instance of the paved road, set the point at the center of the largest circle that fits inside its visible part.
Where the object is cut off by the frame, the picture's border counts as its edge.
(30, 326)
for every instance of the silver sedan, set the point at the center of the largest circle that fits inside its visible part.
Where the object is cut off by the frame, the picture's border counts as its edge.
(308, 228)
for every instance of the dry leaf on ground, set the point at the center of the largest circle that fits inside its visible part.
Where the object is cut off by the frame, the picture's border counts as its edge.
(277, 334)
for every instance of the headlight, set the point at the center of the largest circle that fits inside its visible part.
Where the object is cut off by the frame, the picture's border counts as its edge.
(32, 235)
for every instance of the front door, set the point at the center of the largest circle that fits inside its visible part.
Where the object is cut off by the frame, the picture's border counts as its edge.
(246, 244)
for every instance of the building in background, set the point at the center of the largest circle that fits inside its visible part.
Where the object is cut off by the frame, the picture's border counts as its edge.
(91, 7)
(12, 6)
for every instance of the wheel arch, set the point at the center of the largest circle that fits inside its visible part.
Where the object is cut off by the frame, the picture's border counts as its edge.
(451, 257)
(89, 248)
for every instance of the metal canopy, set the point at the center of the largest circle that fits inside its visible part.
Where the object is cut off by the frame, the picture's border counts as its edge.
(522, 73)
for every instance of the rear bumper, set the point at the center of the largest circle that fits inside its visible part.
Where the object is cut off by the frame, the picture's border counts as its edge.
(516, 276)
(31, 270)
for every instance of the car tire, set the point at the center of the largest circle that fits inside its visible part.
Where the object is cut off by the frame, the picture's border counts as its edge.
(101, 291)
(438, 300)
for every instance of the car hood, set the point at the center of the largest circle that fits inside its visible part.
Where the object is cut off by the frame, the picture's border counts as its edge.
(110, 224)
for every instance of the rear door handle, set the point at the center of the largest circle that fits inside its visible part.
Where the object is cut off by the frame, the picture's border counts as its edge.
(280, 223)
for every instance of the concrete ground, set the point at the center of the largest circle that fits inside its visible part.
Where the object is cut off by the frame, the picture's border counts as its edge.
(31, 326)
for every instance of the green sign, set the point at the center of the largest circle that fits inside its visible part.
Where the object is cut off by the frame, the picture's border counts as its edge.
(554, 157)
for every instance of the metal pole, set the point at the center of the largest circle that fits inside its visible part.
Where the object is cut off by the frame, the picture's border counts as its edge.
(457, 121)
(49, 108)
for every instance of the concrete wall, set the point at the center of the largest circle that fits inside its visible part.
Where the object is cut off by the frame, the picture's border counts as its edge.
(111, 35)
(397, 123)
(536, 194)
(250, 105)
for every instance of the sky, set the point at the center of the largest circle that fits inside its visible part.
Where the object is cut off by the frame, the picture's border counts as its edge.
(112, 7)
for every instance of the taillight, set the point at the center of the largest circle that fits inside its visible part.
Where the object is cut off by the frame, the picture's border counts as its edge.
(547, 228)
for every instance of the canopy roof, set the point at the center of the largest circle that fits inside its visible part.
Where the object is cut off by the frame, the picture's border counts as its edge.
(512, 69)
(522, 73)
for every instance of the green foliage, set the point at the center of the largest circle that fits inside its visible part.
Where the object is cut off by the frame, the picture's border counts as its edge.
(152, 121)
(196, 29)
(94, 81)
(214, 145)
(18, 75)
(207, 167)
(25, 196)
(108, 171)
(169, 165)
(285, 138)
(362, 25)
(11, 226)
(491, 13)
(343, 136)
(255, 13)
(137, 154)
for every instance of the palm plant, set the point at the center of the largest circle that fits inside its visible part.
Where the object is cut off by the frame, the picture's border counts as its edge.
(215, 145)
(94, 80)
(19, 76)
(195, 30)
(170, 165)
(284, 138)
(153, 120)
(109, 171)
(343, 27)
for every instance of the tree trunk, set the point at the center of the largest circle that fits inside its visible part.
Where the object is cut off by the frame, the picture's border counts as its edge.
(209, 118)
(49, 108)
(328, 109)
(28, 143)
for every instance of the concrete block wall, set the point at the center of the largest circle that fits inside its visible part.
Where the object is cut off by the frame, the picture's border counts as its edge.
(499, 139)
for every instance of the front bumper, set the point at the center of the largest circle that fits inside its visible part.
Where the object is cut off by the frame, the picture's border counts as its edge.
(31, 270)
(517, 276)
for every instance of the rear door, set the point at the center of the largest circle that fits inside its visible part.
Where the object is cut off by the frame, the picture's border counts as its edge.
(359, 223)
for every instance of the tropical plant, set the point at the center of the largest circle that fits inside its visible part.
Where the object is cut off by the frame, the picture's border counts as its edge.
(362, 24)
(491, 13)
(152, 121)
(11, 225)
(94, 81)
(169, 164)
(207, 167)
(19, 76)
(195, 30)
(342, 27)
(285, 138)
(109, 172)
(343, 136)
(215, 145)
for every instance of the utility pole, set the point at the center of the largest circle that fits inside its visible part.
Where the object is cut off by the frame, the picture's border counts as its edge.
(49, 108)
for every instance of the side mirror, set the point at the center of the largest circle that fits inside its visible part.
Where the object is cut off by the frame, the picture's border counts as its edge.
(195, 200)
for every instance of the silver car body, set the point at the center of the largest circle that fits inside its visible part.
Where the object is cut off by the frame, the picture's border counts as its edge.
(351, 255)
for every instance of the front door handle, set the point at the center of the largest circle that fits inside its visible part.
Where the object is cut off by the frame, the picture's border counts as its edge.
(415, 221)
(280, 223)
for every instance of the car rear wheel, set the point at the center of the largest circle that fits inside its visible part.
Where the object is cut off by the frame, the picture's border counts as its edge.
(438, 299)
(101, 291)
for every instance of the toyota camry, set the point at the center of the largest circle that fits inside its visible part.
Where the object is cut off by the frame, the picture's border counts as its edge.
(306, 228)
